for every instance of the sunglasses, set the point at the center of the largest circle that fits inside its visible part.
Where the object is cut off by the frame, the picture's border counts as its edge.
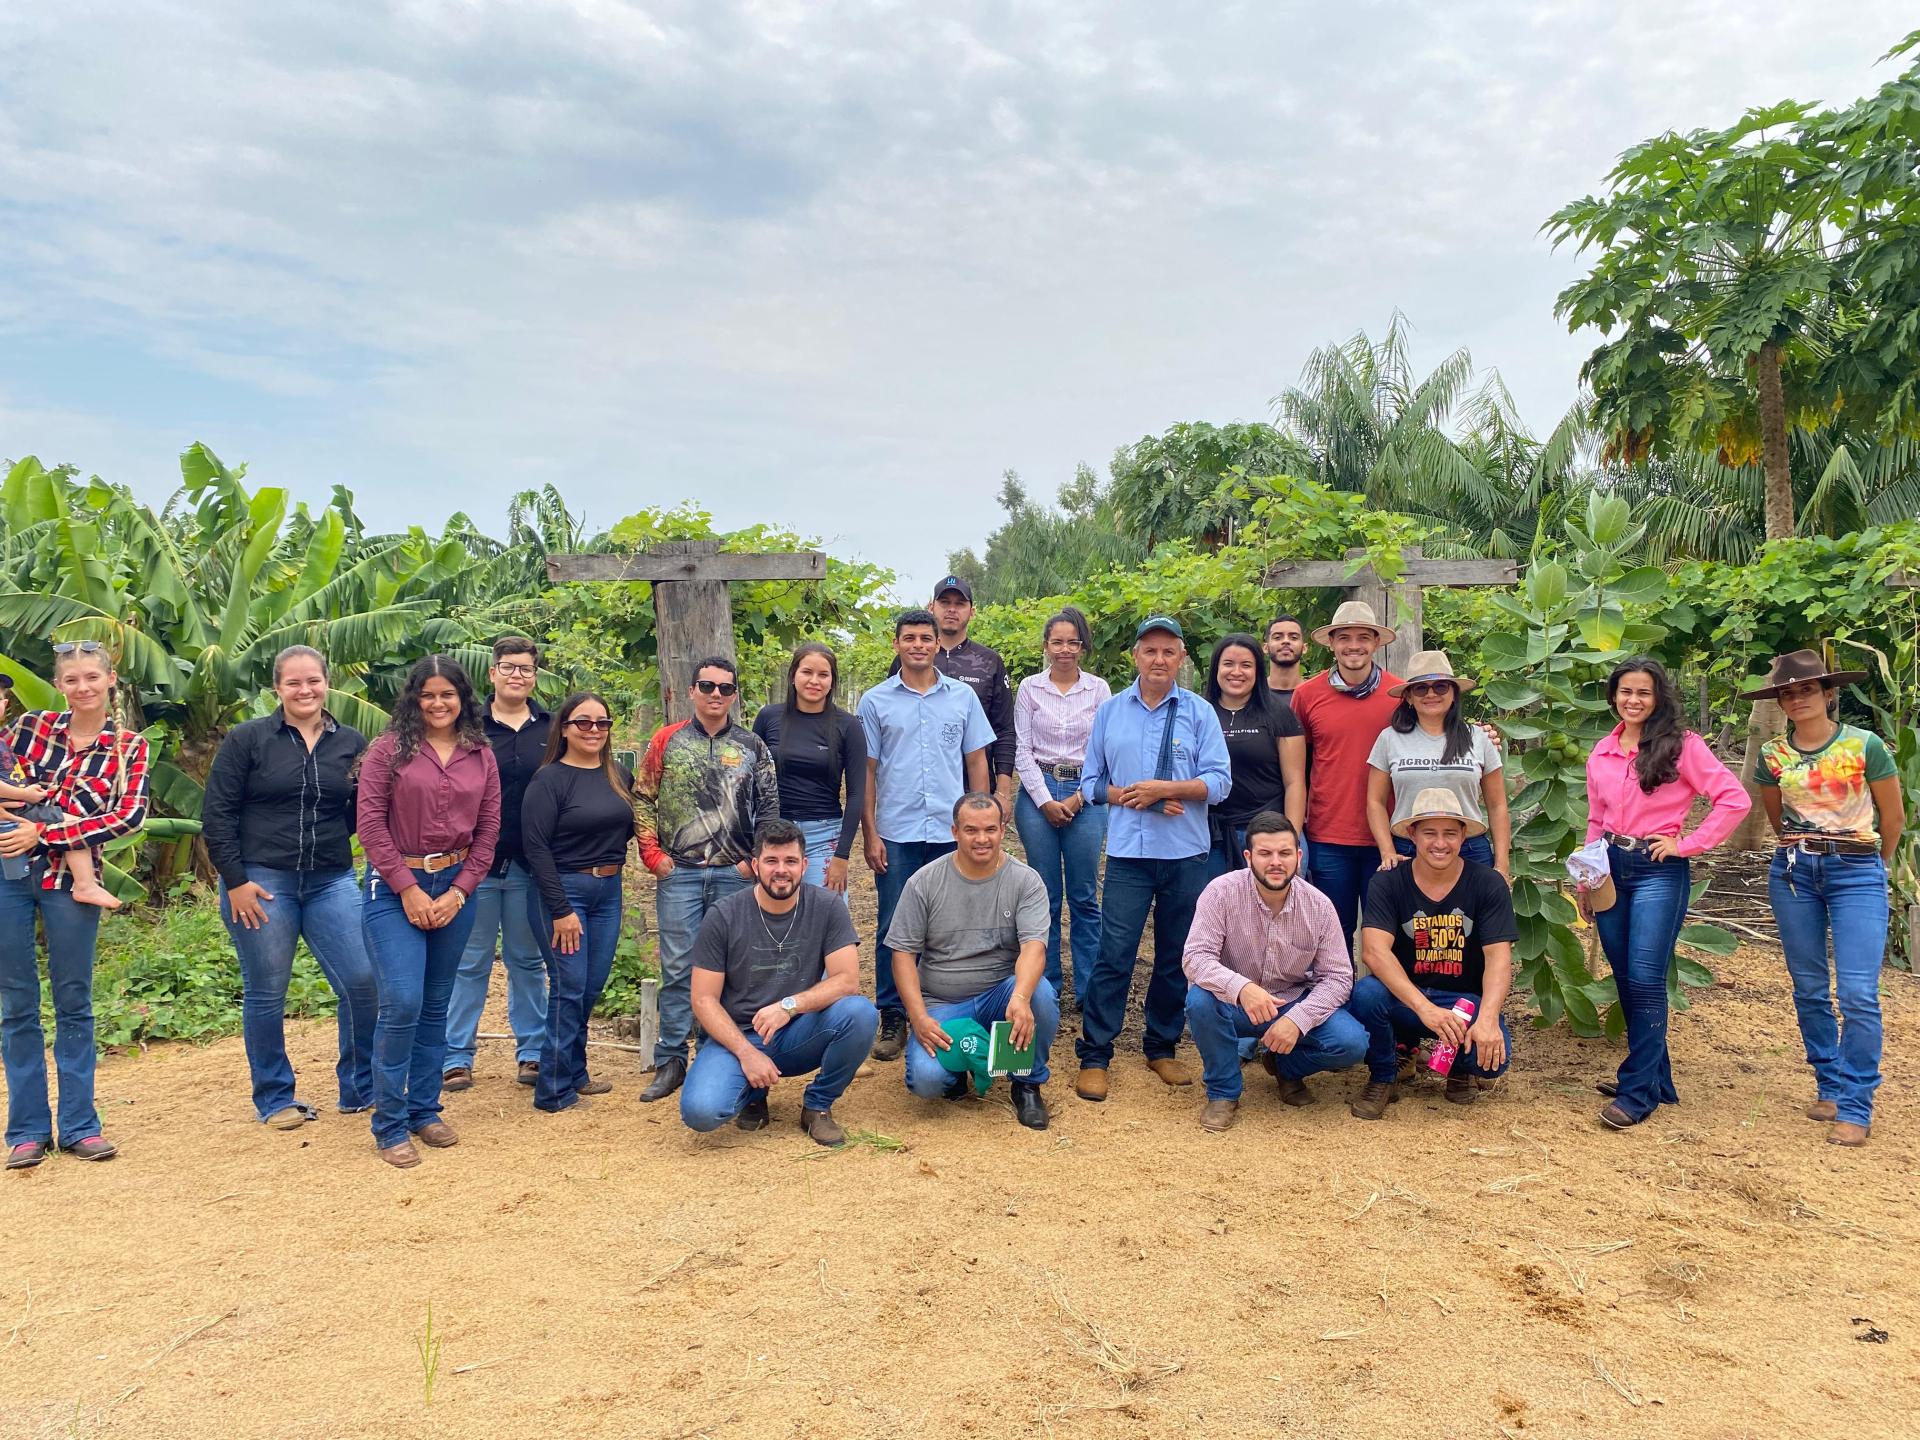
(716, 687)
(586, 724)
(1430, 687)
(85, 647)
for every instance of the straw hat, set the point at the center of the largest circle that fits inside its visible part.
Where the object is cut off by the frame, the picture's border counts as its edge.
(1795, 668)
(1437, 804)
(1352, 615)
(1432, 665)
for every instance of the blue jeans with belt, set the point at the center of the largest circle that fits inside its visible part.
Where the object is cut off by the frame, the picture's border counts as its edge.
(1842, 898)
(413, 974)
(1639, 933)
(682, 900)
(321, 907)
(1068, 859)
(574, 982)
(71, 928)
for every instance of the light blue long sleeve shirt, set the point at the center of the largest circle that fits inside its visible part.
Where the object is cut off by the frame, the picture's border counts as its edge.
(1125, 749)
(919, 744)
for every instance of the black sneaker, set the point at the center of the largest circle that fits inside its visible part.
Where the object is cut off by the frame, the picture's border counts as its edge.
(753, 1115)
(892, 1038)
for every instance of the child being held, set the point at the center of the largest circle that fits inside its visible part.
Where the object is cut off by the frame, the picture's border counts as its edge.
(21, 801)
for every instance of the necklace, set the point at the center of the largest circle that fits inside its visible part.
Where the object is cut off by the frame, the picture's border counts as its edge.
(781, 944)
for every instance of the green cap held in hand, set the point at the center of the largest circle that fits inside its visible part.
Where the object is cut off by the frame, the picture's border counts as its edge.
(967, 1055)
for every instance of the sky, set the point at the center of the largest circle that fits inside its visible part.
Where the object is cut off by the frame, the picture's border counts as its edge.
(822, 264)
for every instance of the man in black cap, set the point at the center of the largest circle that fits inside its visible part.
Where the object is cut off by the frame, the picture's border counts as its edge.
(981, 670)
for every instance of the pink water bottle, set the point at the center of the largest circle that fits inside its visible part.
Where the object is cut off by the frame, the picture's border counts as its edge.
(1443, 1053)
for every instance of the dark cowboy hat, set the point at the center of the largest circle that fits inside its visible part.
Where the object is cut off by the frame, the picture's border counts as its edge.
(1796, 668)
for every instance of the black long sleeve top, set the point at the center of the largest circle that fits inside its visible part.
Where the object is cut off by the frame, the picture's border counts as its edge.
(814, 755)
(572, 819)
(271, 801)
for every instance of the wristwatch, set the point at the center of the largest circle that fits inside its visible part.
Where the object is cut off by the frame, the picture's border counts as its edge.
(790, 1004)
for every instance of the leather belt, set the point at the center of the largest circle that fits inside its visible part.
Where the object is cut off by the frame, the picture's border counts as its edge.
(602, 871)
(1812, 846)
(436, 862)
(1631, 843)
(1061, 772)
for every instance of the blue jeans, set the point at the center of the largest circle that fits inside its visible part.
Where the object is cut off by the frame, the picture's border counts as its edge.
(905, 859)
(71, 929)
(927, 1077)
(682, 900)
(575, 981)
(1388, 1021)
(323, 908)
(1476, 848)
(1068, 860)
(1638, 933)
(832, 1041)
(1341, 873)
(1170, 888)
(1218, 1028)
(821, 837)
(1845, 895)
(413, 972)
(501, 911)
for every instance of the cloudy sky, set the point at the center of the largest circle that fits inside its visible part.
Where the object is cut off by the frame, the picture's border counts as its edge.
(823, 263)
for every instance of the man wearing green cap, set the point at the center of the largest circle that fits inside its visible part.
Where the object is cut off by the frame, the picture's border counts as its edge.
(969, 942)
(1157, 757)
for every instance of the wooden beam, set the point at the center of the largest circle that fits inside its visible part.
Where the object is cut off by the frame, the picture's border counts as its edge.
(1334, 574)
(1901, 580)
(657, 566)
(692, 619)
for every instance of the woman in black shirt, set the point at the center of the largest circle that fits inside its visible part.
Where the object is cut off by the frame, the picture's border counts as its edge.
(277, 817)
(576, 821)
(818, 750)
(1265, 746)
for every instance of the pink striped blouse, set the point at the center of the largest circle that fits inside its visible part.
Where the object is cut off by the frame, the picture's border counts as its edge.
(1053, 729)
(1616, 803)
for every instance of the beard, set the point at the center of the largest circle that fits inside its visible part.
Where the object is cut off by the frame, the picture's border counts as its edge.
(1260, 879)
(780, 887)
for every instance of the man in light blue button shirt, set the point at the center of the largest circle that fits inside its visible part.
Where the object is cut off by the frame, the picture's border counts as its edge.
(927, 741)
(1159, 760)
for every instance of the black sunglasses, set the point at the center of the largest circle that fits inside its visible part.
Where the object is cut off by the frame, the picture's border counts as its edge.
(716, 687)
(1430, 687)
(586, 722)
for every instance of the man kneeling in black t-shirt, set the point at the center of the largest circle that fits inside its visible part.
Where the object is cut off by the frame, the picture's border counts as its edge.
(1436, 929)
(776, 986)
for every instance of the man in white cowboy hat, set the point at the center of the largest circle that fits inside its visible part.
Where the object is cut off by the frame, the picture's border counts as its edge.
(1343, 710)
(1438, 930)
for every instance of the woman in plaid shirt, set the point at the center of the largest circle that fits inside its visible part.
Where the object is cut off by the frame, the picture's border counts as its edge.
(97, 772)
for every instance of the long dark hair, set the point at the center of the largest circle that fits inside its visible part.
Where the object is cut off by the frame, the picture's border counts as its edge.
(557, 739)
(830, 713)
(1067, 615)
(1252, 647)
(1664, 731)
(1459, 734)
(409, 727)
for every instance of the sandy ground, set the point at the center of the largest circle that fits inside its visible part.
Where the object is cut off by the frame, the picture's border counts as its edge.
(1508, 1268)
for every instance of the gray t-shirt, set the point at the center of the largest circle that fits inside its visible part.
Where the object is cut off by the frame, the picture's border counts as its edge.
(769, 957)
(968, 933)
(1413, 763)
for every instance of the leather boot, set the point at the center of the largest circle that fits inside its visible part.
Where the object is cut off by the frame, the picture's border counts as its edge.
(1091, 1083)
(822, 1128)
(1218, 1115)
(1174, 1072)
(753, 1115)
(666, 1080)
(1373, 1101)
(1028, 1108)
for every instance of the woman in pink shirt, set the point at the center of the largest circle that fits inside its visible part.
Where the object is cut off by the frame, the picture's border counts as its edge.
(1641, 781)
(429, 817)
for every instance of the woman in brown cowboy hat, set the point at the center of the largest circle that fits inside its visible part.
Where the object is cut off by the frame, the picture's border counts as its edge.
(1427, 744)
(1832, 794)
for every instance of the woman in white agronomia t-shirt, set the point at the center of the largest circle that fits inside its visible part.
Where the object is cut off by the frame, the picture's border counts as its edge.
(1427, 745)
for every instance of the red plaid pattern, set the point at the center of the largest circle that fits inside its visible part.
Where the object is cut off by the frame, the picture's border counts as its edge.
(104, 784)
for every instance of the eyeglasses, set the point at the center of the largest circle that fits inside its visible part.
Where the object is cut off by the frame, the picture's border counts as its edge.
(1430, 687)
(716, 687)
(85, 647)
(585, 724)
(517, 669)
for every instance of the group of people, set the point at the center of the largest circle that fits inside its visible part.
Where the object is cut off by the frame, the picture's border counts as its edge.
(1275, 829)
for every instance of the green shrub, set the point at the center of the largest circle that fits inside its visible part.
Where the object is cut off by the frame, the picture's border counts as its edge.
(636, 958)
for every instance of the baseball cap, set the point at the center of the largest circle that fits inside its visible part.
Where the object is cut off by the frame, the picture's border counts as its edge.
(1159, 622)
(954, 582)
(967, 1055)
(6, 681)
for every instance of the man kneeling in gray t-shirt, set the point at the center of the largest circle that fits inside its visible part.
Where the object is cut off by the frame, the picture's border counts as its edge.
(969, 940)
(776, 986)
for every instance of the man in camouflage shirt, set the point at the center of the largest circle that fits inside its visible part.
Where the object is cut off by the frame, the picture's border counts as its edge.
(704, 785)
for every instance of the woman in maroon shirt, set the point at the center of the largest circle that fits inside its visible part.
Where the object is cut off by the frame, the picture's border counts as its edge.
(429, 816)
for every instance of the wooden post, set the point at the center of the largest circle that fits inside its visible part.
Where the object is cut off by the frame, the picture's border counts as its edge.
(1398, 605)
(692, 613)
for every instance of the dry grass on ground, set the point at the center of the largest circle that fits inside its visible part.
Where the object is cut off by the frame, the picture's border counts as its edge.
(1509, 1269)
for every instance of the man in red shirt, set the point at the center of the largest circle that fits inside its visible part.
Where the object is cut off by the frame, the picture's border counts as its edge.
(1343, 710)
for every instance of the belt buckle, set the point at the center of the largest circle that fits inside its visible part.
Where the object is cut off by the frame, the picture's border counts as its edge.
(436, 862)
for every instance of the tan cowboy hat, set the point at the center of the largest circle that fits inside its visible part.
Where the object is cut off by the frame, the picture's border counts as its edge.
(1352, 615)
(1432, 665)
(1792, 669)
(1437, 804)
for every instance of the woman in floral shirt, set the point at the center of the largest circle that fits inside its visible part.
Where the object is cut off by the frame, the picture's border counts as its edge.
(1833, 797)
